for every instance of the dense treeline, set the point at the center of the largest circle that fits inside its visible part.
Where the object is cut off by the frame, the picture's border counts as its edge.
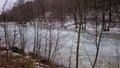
(27, 11)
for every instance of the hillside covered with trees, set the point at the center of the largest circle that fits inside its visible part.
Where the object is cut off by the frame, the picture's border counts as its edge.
(107, 12)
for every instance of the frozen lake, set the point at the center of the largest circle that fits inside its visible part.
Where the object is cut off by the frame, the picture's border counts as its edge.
(66, 42)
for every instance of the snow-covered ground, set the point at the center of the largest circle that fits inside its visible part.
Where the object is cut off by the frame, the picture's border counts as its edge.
(68, 42)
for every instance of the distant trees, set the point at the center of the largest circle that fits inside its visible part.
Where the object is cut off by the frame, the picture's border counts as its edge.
(20, 12)
(59, 10)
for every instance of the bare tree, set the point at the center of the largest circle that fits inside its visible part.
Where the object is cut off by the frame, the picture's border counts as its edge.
(79, 31)
(97, 37)
(5, 26)
(110, 14)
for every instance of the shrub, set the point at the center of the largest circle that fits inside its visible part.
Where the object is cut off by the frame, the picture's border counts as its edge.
(29, 64)
(15, 49)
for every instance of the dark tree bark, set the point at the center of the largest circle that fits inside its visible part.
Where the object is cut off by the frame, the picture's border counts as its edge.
(110, 19)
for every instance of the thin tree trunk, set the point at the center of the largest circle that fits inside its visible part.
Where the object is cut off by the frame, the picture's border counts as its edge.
(79, 32)
(110, 19)
(97, 40)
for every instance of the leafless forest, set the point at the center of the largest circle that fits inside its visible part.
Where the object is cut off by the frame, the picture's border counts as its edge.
(60, 34)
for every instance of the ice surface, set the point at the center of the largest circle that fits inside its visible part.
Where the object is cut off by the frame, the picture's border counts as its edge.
(68, 43)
